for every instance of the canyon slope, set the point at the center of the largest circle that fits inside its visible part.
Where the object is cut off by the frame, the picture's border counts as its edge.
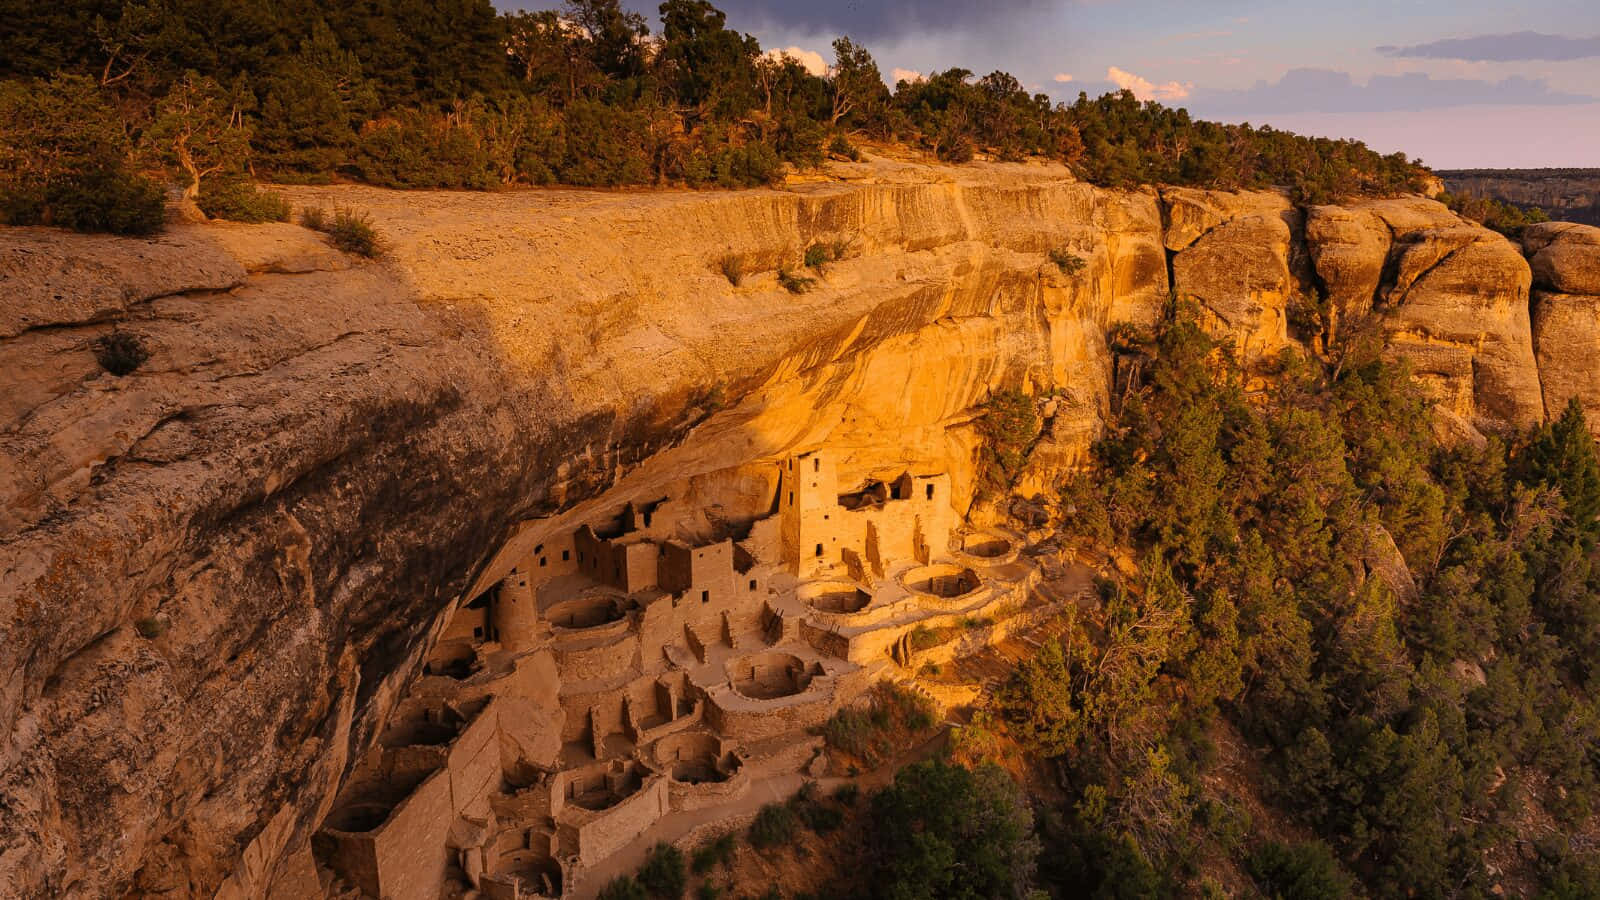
(219, 573)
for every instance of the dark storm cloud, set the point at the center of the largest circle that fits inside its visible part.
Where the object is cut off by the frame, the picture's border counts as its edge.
(1521, 46)
(876, 19)
(1325, 90)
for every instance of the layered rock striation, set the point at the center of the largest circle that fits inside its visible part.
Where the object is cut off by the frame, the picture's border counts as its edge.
(219, 573)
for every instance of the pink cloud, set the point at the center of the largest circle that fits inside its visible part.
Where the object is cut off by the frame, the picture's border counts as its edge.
(812, 60)
(1145, 89)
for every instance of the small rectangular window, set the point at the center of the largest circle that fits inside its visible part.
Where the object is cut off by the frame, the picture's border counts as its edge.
(819, 549)
(930, 492)
(752, 584)
(816, 465)
(543, 560)
(477, 632)
(705, 596)
(566, 555)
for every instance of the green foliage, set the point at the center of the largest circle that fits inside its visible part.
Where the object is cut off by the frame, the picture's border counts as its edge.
(1009, 425)
(732, 267)
(64, 161)
(795, 282)
(871, 733)
(113, 201)
(415, 150)
(841, 147)
(1126, 142)
(775, 825)
(624, 888)
(348, 230)
(1506, 218)
(414, 93)
(718, 852)
(1265, 529)
(199, 127)
(120, 353)
(818, 815)
(239, 200)
(1068, 262)
(1037, 703)
(946, 831)
(663, 874)
(1300, 872)
(818, 256)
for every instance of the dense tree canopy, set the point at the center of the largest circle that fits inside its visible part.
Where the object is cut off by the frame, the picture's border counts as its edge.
(418, 93)
(1406, 635)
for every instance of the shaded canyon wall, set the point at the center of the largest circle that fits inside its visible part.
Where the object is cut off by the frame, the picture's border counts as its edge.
(218, 573)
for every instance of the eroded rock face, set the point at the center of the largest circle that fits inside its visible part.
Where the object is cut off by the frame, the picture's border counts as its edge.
(218, 574)
(1236, 254)
(1446, 294)
(1566, 313)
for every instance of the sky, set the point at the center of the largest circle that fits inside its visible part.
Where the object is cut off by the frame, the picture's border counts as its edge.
(1458, 83)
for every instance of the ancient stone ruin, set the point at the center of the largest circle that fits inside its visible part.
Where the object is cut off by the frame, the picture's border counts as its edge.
(621, 674)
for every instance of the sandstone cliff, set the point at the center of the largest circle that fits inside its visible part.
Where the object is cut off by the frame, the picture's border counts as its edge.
(217, 574)
(1566, 313)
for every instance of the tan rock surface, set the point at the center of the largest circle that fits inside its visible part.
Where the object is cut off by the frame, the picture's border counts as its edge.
(1235, 255)
(49, 281)
(314, 465)
(1449, 295)
(1565, 258)
(218, 574)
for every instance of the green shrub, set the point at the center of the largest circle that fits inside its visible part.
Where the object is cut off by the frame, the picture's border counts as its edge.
(623, 888)
(774, 825)
(1009, 425)
(840, 146)
(865, 733)
(112, 200)
(150, 627)
(818, 256)
(818, 816)
(707, 891)
(663, 873)
(732, 267)
(120, 353)
(348, 230)
(1506, 218)
(64, 161)
(946, 831)
(718, 852)
(239, 200)
(922, 638)
(1068, 262)
(417, 150)
(602, 146)
(846, 794)
(794, 282)
(1300, 872)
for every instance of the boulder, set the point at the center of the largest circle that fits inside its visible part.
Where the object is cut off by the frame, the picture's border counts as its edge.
(1565, 259)
(1235, 254)
(1448, 295)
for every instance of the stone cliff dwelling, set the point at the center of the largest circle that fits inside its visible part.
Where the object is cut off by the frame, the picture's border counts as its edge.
(621, 674)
